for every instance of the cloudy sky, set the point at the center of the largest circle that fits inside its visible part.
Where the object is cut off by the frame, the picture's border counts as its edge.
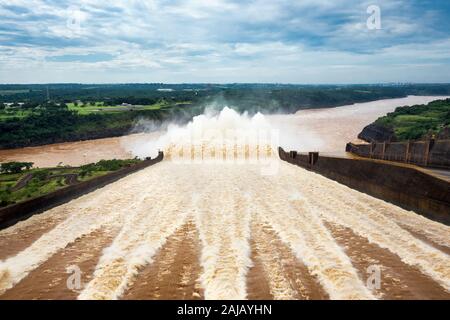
(295, 41)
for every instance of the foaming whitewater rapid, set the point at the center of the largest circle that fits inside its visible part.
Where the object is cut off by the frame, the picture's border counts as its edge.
(214, 137)
(256, 234)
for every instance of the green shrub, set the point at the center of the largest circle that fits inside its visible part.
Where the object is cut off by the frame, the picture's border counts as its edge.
(419, 121)
(15, 167)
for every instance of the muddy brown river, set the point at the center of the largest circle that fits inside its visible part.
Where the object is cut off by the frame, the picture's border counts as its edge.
(225, 230)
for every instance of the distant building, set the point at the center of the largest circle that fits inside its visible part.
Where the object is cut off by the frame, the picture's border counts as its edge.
(13, 104)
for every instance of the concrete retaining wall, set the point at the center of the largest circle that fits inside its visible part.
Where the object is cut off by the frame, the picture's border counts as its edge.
(404, 186)
(16, 212)
(432, 153)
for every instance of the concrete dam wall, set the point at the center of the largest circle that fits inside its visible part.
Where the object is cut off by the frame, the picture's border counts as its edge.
(16, 212)
(432, 153)
(401, 185)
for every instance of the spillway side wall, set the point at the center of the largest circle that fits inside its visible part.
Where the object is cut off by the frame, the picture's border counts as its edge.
(20, 211)
(404, 186)
(430, 153)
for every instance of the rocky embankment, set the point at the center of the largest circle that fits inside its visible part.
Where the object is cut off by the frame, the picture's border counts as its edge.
(376, 133)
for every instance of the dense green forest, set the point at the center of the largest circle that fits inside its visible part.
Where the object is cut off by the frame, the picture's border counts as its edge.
(417, 122)
(33, 115)
(50, 123)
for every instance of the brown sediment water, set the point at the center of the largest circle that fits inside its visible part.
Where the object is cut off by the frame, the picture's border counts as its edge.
(377, 227)
(50, 280)
(328, 130)
(105, 207)
(203, 231)
(397, 279)
(76, 153)
(28, 231)
(277, 273)
(175, 272)
(424, 236)
(257, 278)
(299, 226)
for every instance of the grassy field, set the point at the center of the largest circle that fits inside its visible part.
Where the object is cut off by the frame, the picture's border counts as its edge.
(46, 180)
(99, 107)
(419, 121)
(16, 112)
(90, 108)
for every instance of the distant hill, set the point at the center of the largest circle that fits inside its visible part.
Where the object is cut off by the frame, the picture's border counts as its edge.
(411, 123)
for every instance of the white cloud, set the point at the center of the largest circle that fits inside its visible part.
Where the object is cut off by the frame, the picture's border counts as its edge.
(219, 40)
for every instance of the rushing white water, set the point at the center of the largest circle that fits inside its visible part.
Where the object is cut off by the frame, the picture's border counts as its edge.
(279, 285)
(223, 221)
(224, 201)
(107, 206)
(299, 225)
(374, 226)
(144, 231)
(210, 133)
(229, 202)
